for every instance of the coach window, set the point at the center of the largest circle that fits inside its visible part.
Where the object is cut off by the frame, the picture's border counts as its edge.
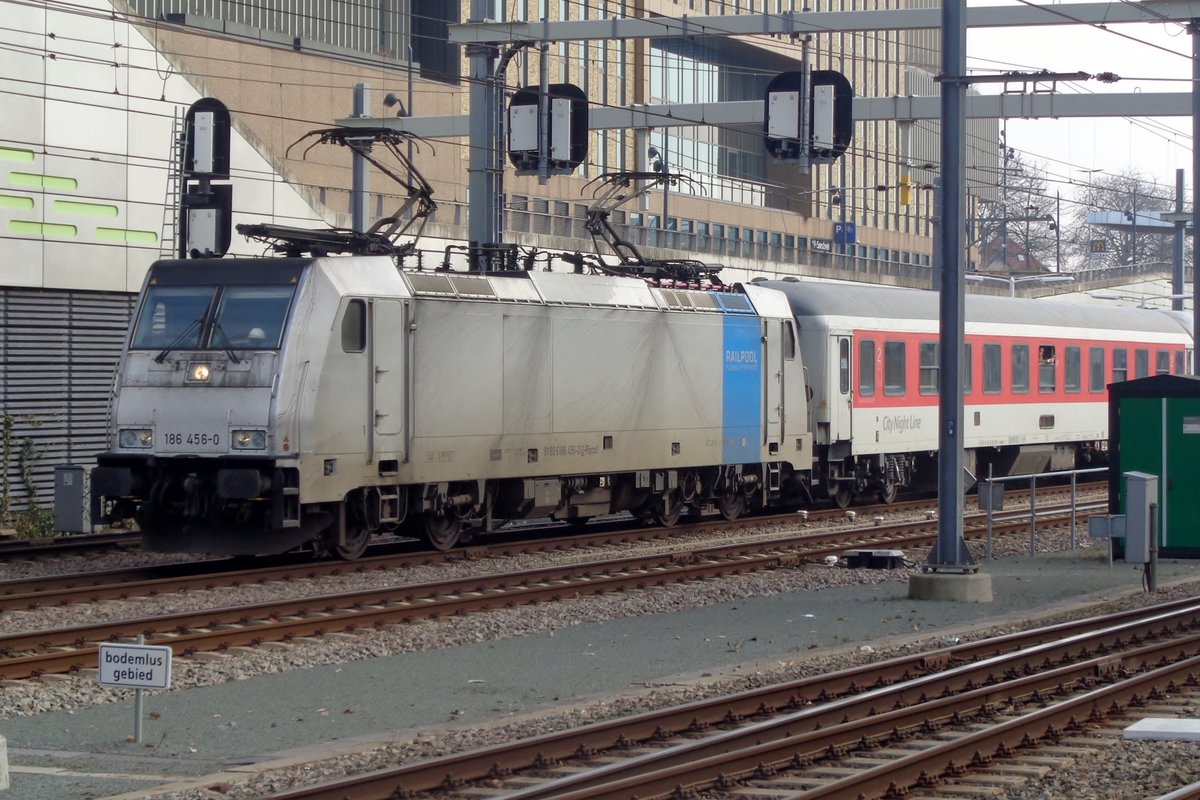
(1072, 378)
(893, 368)
(844, 365)
(1180, 367)
(1120, 365)
(1096, 377)
(1047, 368)
(1020, 368)
(966, 373)
(929, 368)
(1162, 360)
(354, 327)
(866, 367)
(993, 375)
(1141, 362)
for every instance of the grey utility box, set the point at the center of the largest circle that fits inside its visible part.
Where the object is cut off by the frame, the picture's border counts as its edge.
(70, 500)
(1141, 492)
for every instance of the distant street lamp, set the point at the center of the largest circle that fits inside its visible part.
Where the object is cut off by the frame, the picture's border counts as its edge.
(1013, 280)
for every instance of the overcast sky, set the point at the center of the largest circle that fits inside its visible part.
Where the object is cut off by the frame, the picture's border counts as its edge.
(1147, 57)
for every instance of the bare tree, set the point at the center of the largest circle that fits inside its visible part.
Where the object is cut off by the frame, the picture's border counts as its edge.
(1126, 197)
(1020, 228)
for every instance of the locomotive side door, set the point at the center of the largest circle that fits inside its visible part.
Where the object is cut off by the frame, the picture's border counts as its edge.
(772, 375)
(840, 395)
(388, 350)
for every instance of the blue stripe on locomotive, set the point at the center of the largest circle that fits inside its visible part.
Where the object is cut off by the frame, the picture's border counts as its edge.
(742, 390)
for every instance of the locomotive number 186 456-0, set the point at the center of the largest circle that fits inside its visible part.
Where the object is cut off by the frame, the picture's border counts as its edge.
(193, 438)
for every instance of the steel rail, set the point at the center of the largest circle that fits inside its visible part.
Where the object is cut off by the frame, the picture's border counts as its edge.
(309, 616)
(722, 764)
(148, 581)
(498, 760)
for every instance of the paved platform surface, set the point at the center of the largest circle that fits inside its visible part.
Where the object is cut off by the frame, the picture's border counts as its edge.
(84, 754)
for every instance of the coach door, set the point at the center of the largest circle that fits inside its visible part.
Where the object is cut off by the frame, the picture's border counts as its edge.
(388, 349)
(840, 396)
(773, 357)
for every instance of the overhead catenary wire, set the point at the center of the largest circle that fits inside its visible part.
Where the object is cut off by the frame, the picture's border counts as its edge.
(883, 157)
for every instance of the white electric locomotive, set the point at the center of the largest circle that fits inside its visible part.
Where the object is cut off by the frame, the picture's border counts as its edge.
(1036, 376)
(271, 403)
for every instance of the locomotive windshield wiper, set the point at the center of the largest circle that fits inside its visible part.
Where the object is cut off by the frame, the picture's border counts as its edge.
(229, 351)
(158, 359)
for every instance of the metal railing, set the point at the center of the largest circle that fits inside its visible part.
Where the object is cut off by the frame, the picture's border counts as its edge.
(991, 500)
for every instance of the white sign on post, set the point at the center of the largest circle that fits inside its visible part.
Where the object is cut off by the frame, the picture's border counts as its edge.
(135, 666)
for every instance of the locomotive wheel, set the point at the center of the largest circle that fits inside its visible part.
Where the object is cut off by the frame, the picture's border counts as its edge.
(671, 516)
(887, 493)
(356, 543)
(843, 496)
(442, 531)
(731, 505)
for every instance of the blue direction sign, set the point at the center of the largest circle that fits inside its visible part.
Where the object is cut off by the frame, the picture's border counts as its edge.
(845, 233)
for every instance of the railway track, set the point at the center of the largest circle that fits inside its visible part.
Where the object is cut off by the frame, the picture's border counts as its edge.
(909, 726)
(72, 544)
(37, 653)
(125, 582)
(27, 549)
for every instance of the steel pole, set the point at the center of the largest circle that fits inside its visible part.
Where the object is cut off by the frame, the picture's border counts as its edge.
(484, 188)
(951, 552)
(359, 177)
(1194, 29)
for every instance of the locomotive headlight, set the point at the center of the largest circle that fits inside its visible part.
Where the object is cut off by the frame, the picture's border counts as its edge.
(136, 438)
(249, 440)
(199, 372)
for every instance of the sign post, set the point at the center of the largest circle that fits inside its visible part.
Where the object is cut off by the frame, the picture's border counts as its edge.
(135, 666)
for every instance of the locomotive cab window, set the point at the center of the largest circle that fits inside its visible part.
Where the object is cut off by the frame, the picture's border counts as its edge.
(354, 327)
(866, 367)
(213, 317)
(993, 374)
(173, 316)
(789, 341)
(251, 316)
(1020, 368)
(1047, 368)
(893, 368)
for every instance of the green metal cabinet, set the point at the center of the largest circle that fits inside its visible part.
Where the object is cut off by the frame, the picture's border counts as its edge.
(1154, 427)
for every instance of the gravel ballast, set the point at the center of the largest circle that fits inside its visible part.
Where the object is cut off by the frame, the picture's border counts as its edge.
(435, 687)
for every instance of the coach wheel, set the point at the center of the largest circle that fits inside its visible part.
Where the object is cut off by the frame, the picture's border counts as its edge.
(844, 495)
(887, 492)
(731, 505)
(442, 531)
(356, 543)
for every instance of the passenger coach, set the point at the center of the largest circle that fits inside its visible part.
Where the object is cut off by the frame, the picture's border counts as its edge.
(1035, 371)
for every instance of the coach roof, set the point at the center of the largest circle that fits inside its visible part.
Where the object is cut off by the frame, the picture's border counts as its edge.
(813, 299)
